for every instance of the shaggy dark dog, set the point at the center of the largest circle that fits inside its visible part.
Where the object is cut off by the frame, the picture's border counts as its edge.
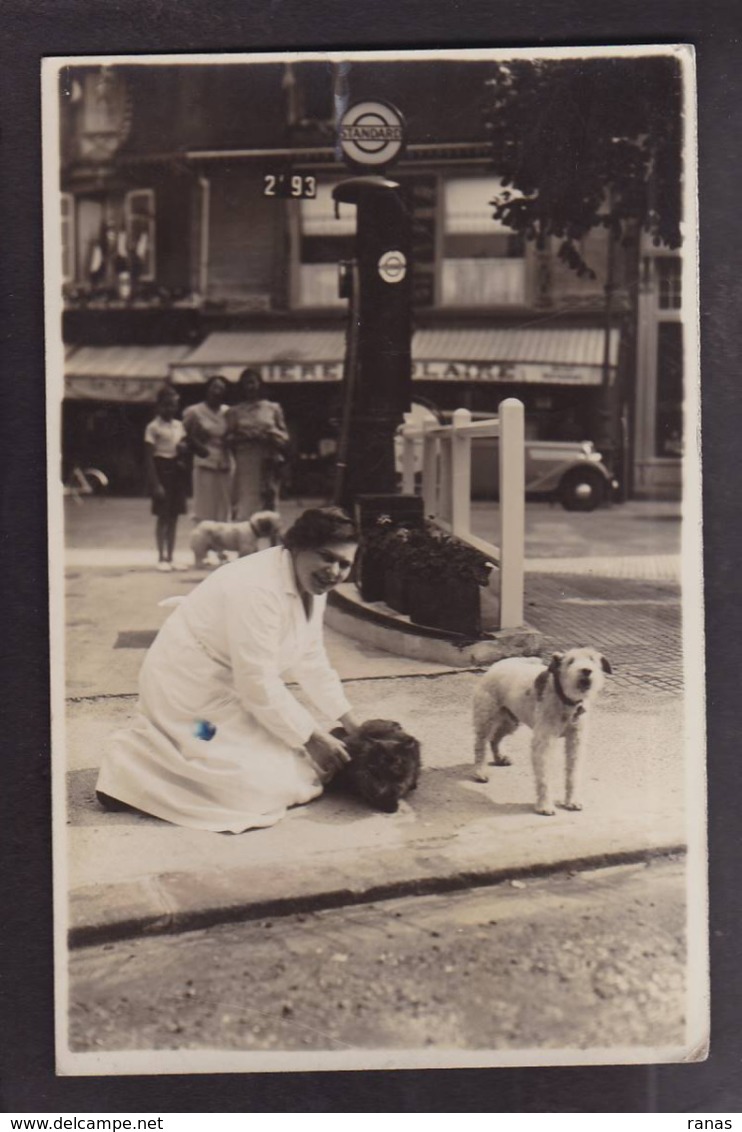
(384, 764)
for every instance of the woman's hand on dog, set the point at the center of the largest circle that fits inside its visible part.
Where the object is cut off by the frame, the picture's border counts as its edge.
(350, 723)
(327, 753)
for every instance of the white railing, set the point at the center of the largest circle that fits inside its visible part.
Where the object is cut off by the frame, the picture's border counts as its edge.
(446, 489)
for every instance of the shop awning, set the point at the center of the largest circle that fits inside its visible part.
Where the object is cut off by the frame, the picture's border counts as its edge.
(538, 355)
(119, 373)
(279, 355)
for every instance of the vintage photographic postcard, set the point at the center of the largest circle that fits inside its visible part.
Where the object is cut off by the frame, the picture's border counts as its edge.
(373, 395)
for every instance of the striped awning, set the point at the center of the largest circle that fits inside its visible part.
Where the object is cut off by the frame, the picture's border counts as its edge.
(280, 355)
(554, 345)
(539, 355)
(536, 355)
(119, 373)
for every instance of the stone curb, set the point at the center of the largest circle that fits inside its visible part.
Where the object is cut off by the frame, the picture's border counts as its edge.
(178, 902)
(380, 627)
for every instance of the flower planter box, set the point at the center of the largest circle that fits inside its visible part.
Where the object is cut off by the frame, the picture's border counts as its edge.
(426, 573)
(454, 607)
(396, 591)
(371, 578)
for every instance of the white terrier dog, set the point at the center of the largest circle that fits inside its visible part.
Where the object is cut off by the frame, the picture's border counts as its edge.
(554, 701)
(242, 537)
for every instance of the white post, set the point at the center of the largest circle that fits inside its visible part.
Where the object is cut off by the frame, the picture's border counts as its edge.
(408, 463)
(512, 512)
(445, 474)
(461, 475)
(430, 469)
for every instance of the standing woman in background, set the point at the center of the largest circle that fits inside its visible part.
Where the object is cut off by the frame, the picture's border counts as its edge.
(207, 422)
(165, 453)
(257, 435)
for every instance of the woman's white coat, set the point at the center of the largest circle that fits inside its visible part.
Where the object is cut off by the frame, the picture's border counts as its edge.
(220, 663)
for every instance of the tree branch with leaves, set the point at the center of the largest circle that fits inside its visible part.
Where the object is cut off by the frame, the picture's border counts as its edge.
(588, 143)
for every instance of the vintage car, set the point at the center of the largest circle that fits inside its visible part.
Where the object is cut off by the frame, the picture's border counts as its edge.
(569, 471)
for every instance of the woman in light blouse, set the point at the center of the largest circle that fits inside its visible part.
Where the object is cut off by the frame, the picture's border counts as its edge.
(212, 471)
(258, 437)
(165, 451)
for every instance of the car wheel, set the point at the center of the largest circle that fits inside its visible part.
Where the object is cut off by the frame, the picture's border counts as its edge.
(581, 490)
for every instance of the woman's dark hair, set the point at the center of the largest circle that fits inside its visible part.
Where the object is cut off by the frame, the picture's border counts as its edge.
(164, 393)
(252, 373)
(319, 526)
(213, 379)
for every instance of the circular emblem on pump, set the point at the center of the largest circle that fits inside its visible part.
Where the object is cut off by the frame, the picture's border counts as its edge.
(371, 134)
(393, 266)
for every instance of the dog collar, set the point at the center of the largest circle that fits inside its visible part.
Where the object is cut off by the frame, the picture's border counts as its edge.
(561, 693)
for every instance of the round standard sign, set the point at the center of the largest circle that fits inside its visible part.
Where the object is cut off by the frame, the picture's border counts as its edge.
(371, 133)
(393, 266)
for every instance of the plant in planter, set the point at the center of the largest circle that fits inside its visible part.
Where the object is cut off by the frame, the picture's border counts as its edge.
(380, 574)
(369, 571)
(430, 575)
(444, 577)
(398, 549)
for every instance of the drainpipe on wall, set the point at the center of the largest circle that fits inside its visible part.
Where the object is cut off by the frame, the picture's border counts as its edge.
(610, 399)
(203, 249)
(630, 345)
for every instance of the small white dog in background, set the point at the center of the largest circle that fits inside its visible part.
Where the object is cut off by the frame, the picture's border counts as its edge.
(554, 701)
(241, 537)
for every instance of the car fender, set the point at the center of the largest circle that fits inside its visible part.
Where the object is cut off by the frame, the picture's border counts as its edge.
(551, 479)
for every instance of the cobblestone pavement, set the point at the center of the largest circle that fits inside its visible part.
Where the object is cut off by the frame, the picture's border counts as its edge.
(637, 624)
(644, 567)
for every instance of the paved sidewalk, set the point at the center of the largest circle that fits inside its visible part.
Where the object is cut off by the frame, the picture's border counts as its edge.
(665, 567)
(636, 623)
(128, 873)
(121, 531)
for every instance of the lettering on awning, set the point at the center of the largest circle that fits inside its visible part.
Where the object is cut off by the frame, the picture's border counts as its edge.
(534, 373)
(302, 371)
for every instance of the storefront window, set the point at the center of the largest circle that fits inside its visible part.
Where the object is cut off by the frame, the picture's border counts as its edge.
(324, 240)
(483, 261)
(669, 419)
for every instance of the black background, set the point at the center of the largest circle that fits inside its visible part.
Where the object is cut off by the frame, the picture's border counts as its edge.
(69, 27)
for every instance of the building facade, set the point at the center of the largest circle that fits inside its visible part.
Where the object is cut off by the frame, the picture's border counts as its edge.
(199, 236)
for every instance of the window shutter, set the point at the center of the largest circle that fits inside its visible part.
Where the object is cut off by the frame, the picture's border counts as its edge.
(68, 237)
(139, 214)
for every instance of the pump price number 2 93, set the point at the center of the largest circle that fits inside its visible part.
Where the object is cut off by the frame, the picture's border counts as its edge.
(293, 185)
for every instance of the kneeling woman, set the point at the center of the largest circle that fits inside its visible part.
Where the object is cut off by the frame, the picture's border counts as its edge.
(220, 743)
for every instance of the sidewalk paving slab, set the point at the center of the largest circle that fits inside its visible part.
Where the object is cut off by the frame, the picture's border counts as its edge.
(129, 873)
(636, 622)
